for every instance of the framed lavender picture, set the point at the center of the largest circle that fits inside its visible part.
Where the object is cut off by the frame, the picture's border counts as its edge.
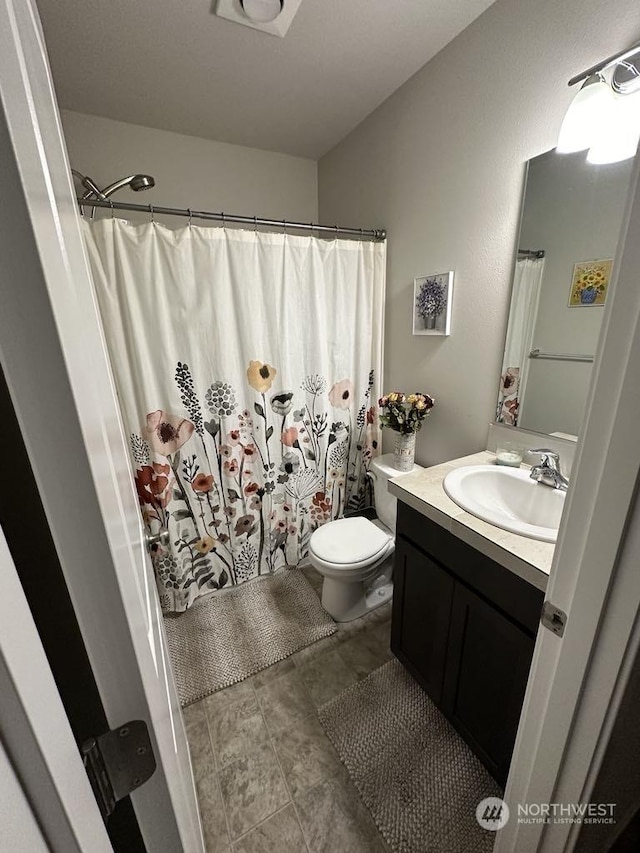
(432, 304)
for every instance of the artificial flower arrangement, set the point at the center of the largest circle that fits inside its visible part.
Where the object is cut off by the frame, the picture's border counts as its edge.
(404, 413)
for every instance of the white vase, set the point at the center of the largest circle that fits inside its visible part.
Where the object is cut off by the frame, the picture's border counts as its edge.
(404, 451)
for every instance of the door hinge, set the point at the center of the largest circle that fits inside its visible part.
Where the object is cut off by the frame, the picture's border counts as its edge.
(553, 618)
(118, 762)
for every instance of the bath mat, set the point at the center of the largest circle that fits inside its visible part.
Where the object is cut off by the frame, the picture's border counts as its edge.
(235, 633)
(415, 774)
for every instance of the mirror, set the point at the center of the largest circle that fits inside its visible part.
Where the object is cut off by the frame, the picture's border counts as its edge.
(571, 221)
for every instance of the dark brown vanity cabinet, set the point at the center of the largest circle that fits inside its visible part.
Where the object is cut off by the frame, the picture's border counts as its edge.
(465, 628)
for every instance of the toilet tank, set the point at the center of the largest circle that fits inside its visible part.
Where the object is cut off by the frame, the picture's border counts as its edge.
(382, 471)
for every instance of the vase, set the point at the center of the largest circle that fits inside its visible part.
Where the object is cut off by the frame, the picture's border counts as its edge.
(588, 295)
(430, 321)
(404, 451)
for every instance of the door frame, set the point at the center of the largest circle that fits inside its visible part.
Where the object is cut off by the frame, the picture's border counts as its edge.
(576, 681)
(37, 746)
(54, 359)
(19, 824)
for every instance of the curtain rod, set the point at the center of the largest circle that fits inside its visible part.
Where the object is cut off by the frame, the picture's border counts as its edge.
(365, 233)
(532, 253)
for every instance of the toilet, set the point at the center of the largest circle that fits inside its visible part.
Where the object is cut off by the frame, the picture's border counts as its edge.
(355, 555)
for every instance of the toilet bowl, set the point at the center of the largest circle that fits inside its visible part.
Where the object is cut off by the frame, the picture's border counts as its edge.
(355, 555)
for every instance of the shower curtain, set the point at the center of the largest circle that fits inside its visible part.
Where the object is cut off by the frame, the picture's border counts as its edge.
(247, 367)
(522, 318)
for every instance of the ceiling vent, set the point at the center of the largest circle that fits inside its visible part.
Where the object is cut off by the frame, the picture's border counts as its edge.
(270, 16)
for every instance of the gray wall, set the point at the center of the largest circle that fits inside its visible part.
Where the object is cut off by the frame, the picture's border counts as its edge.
(573, 210)
(192, 172)
(441, 165)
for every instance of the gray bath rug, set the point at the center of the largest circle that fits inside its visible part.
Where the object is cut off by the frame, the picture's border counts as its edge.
(232, 634)
(415, 774)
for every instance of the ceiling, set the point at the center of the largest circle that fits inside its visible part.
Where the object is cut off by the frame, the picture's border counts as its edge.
(174, 65)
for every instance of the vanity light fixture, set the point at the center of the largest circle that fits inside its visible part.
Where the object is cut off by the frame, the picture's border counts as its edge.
(588, 111)
(618, 140)
(604, 116)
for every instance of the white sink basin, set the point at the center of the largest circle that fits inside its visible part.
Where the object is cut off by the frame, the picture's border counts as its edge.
(508, 498)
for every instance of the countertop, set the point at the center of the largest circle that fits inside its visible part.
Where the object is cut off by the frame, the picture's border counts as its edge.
(422, 490)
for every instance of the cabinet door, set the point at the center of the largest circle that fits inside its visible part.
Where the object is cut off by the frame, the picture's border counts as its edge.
(422, 598)
(487, 671)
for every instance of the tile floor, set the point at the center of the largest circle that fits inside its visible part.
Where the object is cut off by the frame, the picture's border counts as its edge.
(268, 778)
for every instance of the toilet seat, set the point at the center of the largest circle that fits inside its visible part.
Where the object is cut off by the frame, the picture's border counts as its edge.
(349, 545)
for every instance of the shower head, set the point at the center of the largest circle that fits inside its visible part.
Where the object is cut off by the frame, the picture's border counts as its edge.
(136, 182)
(142, 182)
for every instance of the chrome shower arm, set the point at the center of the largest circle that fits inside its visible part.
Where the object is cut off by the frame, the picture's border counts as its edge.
(117, 185)
(90, 186)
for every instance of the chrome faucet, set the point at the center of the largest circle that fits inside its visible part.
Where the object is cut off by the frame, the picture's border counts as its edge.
(548, 471)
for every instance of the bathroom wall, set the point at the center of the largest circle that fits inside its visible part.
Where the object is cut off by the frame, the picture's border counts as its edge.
(440, 165)
(574, 212)
(192, 172)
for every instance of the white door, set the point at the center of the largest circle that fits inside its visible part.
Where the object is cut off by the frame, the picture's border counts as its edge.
(577, 681)
(19, 825)
(55, 363)
(46, 801)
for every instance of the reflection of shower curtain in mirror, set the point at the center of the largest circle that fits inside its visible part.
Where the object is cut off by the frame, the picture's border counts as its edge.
(247, 367)
(522, 317)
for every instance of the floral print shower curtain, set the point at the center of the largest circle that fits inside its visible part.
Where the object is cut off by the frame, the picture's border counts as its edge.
(523, 312)
(247, 367)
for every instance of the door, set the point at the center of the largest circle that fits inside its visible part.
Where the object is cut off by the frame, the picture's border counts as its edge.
(19, 825)
(487, 669)
(578, 679)
(33, 552)
(46, 802)
(422, 598)
(55, 363)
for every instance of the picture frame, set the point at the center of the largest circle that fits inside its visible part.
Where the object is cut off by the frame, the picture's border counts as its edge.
(590, 283)
(433, 292)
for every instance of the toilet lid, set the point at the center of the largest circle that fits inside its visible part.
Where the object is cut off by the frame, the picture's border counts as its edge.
(348, 540)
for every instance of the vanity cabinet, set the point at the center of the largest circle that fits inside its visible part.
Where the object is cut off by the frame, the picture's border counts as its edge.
(464, 627)
(422, 632)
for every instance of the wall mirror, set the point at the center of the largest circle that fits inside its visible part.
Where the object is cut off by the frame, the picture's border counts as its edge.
(571, 220)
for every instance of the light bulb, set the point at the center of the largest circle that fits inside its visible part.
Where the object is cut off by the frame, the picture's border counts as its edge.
(262, 11)
(588, 111)
(618, 139)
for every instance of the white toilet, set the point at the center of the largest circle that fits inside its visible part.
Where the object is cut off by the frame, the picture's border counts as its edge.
(355, 555)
